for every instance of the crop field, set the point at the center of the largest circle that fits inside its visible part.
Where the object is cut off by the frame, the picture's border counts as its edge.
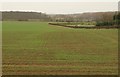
(36, 48)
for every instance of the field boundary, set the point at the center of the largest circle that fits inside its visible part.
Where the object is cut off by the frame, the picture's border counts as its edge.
(93, 27)
(60, 76)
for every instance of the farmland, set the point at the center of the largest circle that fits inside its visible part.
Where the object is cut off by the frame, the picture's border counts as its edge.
(34, 48)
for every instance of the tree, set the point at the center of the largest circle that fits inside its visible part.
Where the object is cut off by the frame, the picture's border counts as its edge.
(116, 18)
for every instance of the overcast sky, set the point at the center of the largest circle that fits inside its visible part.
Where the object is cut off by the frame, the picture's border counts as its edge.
(60, 7)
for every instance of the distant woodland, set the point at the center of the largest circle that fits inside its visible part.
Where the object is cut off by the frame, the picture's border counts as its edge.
(106, 17)
(24, 16)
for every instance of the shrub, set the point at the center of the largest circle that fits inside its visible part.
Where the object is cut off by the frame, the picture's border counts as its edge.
(110, 23)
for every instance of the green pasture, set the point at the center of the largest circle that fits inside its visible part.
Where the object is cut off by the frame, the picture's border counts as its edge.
(36, 48)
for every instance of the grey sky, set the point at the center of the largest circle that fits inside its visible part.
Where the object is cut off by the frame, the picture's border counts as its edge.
(60, 7)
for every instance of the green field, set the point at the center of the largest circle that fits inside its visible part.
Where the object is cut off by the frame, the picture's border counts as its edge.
(36, 48)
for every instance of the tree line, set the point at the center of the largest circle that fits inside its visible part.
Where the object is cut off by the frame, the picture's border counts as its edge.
(114, 22)
(101, 18)
(24, 16)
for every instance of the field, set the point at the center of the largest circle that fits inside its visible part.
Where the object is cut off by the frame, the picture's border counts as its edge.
(36, 48)
(75, 23)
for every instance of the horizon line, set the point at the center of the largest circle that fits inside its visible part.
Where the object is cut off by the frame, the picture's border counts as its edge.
(54, 13)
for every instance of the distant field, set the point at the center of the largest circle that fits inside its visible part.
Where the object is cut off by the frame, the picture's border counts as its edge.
(34, 48)
(85, 24)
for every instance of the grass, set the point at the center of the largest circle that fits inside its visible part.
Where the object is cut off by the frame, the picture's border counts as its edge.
(33, 48)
